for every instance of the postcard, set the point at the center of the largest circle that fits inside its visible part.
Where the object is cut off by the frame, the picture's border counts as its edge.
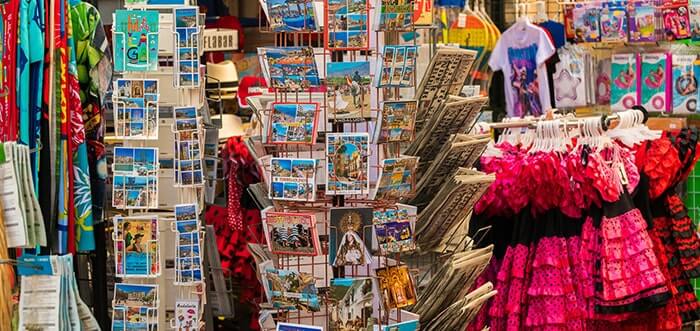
(398, 67)
(291, 16)
(403, 326)
(293, 123)
(396, 287)
(423, 13)
(293, 179)
(348, 91)
(397, 122)
(394, 230)
(187, 46)
(134, 318)
(135, 40)
(347, 24)
(135, 295)
(136, 108)
(350, 236)
(136, 246)
(140, 161)
(396, 15)
(292, 233)
(297, 327)
(347, 164)
(135, 178)
(396, 178)
(186, 315)
(185, 212)
(291, 68)
(288, 289)
(351, 304)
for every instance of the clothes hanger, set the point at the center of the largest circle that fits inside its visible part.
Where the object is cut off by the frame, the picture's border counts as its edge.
(541, 13)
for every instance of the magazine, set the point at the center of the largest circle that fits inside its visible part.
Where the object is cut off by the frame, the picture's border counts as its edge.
(348, 91)
(187, 46)
(136, 246)
(347, 24)
(396, 179)
(350, 236)
(347, 168)
(291, 16)
(396, 15)
(398, 66)
(136, 108)
(135, 178)
(396, 286)
(292, 179)
(292, 233)
(135, 307)
(394, 230)
(396, 122)
(290, 68)
(135, 36)
(293, 123)
(188, 260)
(351, 304)
(288, 289)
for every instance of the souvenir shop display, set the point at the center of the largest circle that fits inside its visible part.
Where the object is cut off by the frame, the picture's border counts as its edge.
(135, 178)
(189, 159)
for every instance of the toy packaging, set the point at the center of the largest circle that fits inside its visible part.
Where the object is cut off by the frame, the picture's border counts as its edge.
(684, 84)
(653, 81)
(694, 16)
(641, 22)
(613, 23)
(623, 88)
(676, 22)
(587, 24)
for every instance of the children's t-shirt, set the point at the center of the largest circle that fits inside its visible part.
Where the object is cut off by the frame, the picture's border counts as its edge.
(521, 53)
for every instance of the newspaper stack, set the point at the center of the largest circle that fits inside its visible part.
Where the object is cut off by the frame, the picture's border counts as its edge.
(449, 286)
(460, 150)
(462, 312)
(457, 115)
(446, 74)
(453, 202)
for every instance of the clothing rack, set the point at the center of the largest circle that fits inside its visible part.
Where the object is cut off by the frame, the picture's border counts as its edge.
(606, 121)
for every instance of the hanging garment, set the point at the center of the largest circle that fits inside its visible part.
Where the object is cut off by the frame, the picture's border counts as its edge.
(8, 102)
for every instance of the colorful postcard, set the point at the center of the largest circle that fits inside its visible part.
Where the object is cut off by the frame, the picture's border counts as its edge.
(397, 122)
(403, 326)
(398, 66)
(141, 161)
(188, 162)
(291, 16)
(288, 289)
(394, 230)
(136, 108)
(297, 327)
(347, 169)
(348, 91)
(396, 179)
(293, 123)
(135, 178)
(185, 118)
(135, 38)
(396, 286)
(188, 260)
(423, 12)
(396, 15)
(186, 315)
(351, 236)
(291, 68)
(187, 46)
(136, 246)
(292, 234)
(293, 179)
(351, 304)
(348, 22)
(135, 307)
(135, 295)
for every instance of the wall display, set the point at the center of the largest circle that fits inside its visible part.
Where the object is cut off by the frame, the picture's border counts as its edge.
(297, 327)
(684, 84)
(290, 68)
(351, 236)
(396, 179)
(188, 258)
(292, 234)
(396, 122)
(187, 46)
(642, 25)
(423, 12)
(136, 108)
(623, 91)
(676, 21)
(291, 16)
(613, 23)
(135, 178)
(135, 40)
(351, 304)
(398, 66)
(394, 230)
(288, 289)
(348, 91)
(396, 286)
(587, 23)
(347, 164)
(293, 123)
(136, 246)
(653, 80)
(292, 179)
(135, 307)
(396, 15)
(348, 22)
(186, 315)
